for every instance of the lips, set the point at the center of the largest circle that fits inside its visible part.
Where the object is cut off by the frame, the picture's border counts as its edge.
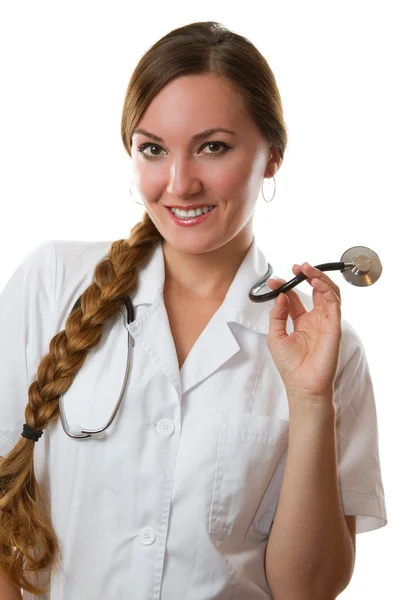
(190, 206)
(190, 221)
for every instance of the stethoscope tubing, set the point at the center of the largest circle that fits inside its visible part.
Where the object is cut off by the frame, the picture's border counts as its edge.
(86, 433)
(289, 285)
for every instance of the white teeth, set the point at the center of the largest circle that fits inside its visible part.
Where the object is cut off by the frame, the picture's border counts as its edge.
(182, 214)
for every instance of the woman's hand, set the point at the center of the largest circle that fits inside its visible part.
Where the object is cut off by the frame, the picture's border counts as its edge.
(307, 359)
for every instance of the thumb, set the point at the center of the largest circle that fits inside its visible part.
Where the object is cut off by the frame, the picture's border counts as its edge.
(278, 317)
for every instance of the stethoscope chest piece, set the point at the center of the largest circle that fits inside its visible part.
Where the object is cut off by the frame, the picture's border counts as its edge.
(367, 267)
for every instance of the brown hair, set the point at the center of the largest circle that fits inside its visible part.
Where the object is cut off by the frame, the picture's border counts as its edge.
(194, 49)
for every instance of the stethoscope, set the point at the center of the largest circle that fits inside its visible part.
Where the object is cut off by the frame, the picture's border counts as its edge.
(359, 266)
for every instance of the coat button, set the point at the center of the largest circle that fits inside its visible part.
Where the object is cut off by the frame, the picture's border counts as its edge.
(165, 427)
(147, 535)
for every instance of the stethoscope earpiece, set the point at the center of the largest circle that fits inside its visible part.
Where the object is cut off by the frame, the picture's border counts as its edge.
(359, 266)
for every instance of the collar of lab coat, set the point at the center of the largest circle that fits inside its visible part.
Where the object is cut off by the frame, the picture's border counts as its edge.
(219, 341)
(237, 306)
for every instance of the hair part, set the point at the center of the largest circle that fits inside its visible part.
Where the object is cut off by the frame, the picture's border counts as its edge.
(28, 541)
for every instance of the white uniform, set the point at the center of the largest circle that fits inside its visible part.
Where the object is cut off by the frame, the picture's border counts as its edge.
(178, 499)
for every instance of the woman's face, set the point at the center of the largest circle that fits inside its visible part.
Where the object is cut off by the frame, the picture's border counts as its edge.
(221, 169)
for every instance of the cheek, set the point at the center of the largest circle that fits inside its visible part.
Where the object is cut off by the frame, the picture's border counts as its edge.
(228, 182)
(149, 183)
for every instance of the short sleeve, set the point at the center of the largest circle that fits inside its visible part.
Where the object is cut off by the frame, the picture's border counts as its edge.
(357, 436)
(26, 316)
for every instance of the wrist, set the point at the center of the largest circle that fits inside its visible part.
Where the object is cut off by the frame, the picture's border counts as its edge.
(305, 396)
(310, 404)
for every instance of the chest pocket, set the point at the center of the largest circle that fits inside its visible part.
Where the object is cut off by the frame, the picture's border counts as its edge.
(250, 449)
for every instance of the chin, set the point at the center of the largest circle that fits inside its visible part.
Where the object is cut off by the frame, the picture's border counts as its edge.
(196, 245)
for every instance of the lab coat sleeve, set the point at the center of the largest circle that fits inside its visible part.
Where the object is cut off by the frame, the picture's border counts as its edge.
(357, 436)
(26, 317)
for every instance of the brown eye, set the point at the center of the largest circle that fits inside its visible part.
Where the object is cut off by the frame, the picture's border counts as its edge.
(143, 147)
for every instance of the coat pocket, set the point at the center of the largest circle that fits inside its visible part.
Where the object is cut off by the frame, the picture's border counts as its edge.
(249, 450)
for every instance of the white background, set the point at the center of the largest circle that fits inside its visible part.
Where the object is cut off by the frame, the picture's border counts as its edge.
(65, 67)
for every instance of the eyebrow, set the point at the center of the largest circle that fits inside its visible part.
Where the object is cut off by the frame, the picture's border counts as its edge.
(197, 136)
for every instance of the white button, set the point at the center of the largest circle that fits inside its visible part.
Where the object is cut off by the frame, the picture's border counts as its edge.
(165, 427)
(147, 535)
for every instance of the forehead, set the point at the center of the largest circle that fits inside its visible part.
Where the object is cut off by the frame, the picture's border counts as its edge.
(194, 103)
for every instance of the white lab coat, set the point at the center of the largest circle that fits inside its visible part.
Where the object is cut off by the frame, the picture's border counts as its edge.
(178, 499)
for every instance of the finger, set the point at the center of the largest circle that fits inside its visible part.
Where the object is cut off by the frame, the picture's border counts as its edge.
(324, 296)
(278, 314)
(318, 297)
(296, 307)
(324, 293)
(311, 272)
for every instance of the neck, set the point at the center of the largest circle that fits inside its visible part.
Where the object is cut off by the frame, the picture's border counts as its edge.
(206, 275)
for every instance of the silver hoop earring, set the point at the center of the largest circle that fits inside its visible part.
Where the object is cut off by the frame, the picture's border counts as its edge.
(262, 190)
(130, 190)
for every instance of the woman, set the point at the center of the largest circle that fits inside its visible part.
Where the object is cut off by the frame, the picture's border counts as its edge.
(219, 476)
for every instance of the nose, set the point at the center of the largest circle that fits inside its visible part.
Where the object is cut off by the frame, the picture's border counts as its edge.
(183, 179)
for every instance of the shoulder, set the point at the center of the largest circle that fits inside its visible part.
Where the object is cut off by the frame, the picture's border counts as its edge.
(76, 260)
(75, 265)
(80, 253)
(49, 260)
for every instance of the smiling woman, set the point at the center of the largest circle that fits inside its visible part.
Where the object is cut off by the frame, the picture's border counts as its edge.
(177, 499)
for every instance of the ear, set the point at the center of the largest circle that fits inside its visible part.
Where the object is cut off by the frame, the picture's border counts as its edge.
(274, 162)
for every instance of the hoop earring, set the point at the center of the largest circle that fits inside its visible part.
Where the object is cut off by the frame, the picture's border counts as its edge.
(262, 190)
(130, 191)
